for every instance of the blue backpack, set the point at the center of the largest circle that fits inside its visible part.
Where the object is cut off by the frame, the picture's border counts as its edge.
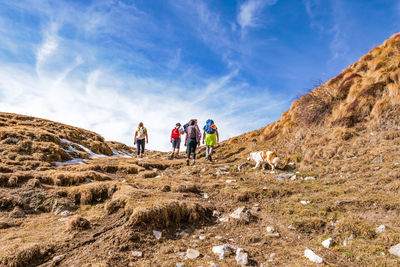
(210, 127)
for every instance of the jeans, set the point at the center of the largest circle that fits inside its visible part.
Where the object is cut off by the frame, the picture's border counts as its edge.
(191, 148)
(209, 151)
(140, 146)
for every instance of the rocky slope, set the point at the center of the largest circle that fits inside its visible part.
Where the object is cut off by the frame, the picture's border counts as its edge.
(69, 198)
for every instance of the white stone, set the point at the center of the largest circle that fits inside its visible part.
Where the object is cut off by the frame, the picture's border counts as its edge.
(212, 264)
(291, 227)
(242, 258)
(395, 250)
(222, 251)
(270, 229)
(179, 264)
(137, 254)
(380, 229)
(192, 253)
(202, 237)
(241, 213)
(327, 242)
(216, 213)
(65, 213)
(230, 181)
(283, 176)
(309, 178)
(62, 219)
(309, 254)
(304, 202)
(224, 219)
(157, 234)
(58, 258)
(291, 163)
(206, 196)
(218, 237)
(265, 188)
(293, 177)
(256, 205)
(182, 234)
(297, 172)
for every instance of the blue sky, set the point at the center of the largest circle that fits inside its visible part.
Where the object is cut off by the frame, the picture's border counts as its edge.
(106, 65)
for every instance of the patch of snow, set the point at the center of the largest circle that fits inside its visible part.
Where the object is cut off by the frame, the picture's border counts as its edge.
(327, 243)
(71, 162)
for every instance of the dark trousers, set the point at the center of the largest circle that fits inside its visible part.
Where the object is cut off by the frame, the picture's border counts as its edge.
(140, 146)
(191, 148)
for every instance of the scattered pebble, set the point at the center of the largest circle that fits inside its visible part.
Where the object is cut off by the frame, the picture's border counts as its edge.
(180, 264)
(157, 234)
(212, 264)
(309, 254)
(216, 213)
(309, 178)
(63, 219)
(17, 214)
(283, 176)
(206, 196)
(192, 253)
(124, 181)
(241, 213)
(58, 258)
(230, 181)
(293, 177)
(395, 250)
(222, 251)
(297, 172)
(380, 229)
(137, 254)
(327, 243)
(255, 209)
(242, 258)
(218, 237)
(224, 219)
(202, 237)
(397, 164)
(65, 213)
(276, 235)
(304, 202)
(270, 229)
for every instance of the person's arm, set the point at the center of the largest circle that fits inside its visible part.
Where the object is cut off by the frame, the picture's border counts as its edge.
(204, 135)
(186, 139)
(216, 132)
(134, 141)
(147, 137)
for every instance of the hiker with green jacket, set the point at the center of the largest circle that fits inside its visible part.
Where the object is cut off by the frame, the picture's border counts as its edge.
(211, 135)
(140, 138)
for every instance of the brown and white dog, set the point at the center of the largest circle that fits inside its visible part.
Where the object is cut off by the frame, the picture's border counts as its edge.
(264, 157)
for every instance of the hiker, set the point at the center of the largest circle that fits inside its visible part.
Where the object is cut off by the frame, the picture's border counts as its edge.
(176, 139)
(210, 134)
(192, 140)
(140, 138)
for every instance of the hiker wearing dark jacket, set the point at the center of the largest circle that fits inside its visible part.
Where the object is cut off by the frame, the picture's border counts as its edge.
(192, 140)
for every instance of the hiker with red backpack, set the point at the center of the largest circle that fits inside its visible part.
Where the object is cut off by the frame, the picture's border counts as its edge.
(211, 135)
(176, 139)
(192, 140)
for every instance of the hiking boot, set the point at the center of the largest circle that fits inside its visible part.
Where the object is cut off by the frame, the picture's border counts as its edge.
(172, 155)
(209, 158)
(187, 162)
(194, 162)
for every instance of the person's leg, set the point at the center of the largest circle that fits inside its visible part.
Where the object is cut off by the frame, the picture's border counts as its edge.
(210, 152)
(143, 146)
(137, 148)
(178, 145)
(188, 149)
(194, 151)
(207, 152)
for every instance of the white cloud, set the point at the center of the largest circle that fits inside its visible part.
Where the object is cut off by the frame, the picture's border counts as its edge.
(249, 12)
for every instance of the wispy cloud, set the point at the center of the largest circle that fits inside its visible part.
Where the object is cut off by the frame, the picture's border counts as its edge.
(249, 13)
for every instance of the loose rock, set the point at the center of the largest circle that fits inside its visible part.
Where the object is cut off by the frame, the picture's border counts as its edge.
(58, 258)
(17, 214)
(137, 254)
(157, 234)
(192, 253)
(327, 243)
(222, 251)
(309, 254)
(380, 229)
(283, 176)
(395, 250)
(242, 258)
(241, 213)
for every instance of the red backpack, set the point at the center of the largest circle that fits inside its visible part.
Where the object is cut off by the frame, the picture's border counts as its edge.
(175, 133)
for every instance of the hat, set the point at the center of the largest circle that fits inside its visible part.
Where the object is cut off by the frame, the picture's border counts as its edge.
(178, 124)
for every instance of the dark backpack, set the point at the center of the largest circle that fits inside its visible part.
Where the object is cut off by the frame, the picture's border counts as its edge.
(192, 132)
(175, 133)
(186, 126)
